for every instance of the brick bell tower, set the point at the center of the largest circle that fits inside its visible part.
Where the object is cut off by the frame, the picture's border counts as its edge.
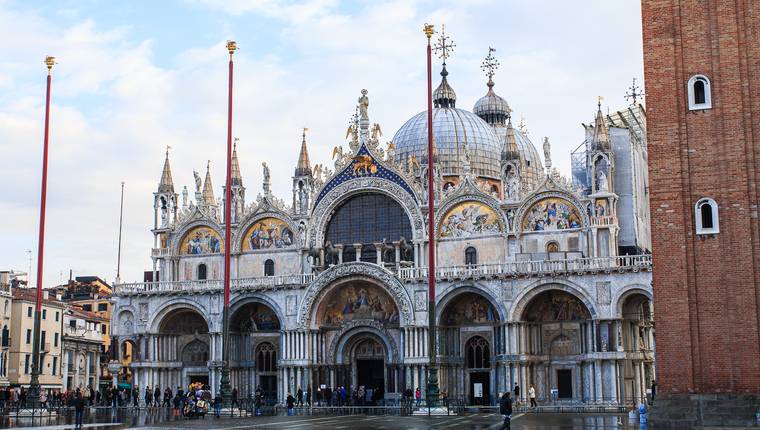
(702, 69)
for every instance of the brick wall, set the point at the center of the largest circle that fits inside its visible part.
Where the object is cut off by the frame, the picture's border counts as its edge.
(706, 289)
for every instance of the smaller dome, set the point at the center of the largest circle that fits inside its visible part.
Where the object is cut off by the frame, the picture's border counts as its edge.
(492, 107)
(444, 96)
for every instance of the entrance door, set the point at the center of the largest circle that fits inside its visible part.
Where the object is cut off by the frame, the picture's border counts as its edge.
(370, 373)
(268, 384)
(203, 379)
(564, 383)
(482, 378)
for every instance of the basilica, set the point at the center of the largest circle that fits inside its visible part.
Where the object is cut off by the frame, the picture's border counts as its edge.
(541, 280)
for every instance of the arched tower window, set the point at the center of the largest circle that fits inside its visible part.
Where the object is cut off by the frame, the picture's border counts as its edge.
(478, 353)
(202, 272)
(700, 96)
(470, 256)
(266, 357)
(706, 216)
(269, 268)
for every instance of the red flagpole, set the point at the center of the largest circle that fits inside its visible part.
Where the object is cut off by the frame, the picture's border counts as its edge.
(225, 389)
(432, 390)
(34, 385)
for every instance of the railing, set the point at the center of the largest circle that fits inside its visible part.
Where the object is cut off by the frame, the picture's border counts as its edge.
(530, 268)
(262, 283)
(159, 252)
(511, 268)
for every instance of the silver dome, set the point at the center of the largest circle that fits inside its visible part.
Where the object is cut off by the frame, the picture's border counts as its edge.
(453, 129)
(531, 168)
(492, 107)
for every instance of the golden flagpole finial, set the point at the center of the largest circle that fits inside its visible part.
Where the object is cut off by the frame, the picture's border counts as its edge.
(49, 61)
(428, 29)
(232, 47)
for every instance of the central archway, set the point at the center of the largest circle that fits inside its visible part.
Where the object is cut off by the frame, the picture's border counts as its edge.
(254, 347)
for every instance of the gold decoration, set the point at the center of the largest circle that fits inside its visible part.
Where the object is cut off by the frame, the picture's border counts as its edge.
(268, 233)
(49, 62)
(469, 219)
(201, 240)
(552, 213)
(232, 47)
(428, 29)
(364, 165)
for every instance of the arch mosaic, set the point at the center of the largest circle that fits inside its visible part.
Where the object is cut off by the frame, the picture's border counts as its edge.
(468, 219)
(335, 352)
(355, 271)
(366, 301)
(277, 221)
(456, 290)
(555, 306)
(167, 309)
(182, 237)
(346, 190)
(556, 211)
(526, 296)
(240, 301)
(628, 291)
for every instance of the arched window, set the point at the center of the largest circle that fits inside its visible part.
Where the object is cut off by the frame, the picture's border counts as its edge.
(269, 268)
(195, 353)
(478, 353)
(552, 247)
(700, 96)
(202, 275)
(266, 357)
(470, 256)
(6, 336)
(706, 216)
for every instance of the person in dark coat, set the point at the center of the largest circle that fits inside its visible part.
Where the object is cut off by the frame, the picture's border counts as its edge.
(290, 401)
(517, 392)
(78, 404)
(299, 397)
(505, 407)
(135, 397)
(157, 396)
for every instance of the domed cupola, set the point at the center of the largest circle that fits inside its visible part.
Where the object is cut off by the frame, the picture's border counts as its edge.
(491, 107)
(458, 134)
(444, 96)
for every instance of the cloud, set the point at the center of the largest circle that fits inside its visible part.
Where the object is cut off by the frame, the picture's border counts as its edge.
(116, 105)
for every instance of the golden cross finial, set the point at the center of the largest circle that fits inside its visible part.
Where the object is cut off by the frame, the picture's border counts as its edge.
(444, 46)
(232, 47)
(599, 101)
(490, 64)
(49, 62)
(428, 29)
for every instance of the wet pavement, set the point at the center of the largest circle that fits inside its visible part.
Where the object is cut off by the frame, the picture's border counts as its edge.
(107, 419)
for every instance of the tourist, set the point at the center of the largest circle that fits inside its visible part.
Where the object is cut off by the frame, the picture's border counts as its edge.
(136, 396)
(157, 396)
(257, 402)
(299, 396)
(148, 397)
(343, 395)
(654, 389)
(418, 396)
(517, 393)
(505, 408)
(234, 397)
(78, 404)
(218, 404)
(167, 397)
(290, 400)
(307, 396)
(532, 395)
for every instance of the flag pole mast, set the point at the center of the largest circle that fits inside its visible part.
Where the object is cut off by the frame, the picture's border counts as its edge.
(432, 377)
(225, 389)
(34, 384)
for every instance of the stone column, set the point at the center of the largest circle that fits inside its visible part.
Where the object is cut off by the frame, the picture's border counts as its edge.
(598, 389)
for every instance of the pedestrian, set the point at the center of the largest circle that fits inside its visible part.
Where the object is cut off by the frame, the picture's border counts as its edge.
(517, 393)
(148, 397)
(167, 397)
(299, 396)
(654, 389)
(157, 396)
(135, 397)
(290, 401)
(176, 401)
(218, 405)
(418, 396)
(505, 408)
(78, 409)
(532, 395)
(234, 397)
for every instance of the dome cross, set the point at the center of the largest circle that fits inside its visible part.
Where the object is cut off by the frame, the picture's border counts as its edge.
(444, 46)
(490, 64)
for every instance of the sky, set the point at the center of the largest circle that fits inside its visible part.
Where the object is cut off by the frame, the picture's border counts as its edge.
(133, 77)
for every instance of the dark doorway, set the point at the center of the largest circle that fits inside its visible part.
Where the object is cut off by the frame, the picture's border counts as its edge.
(268, 385)
(564, 383)
(370, 373)
(484, 379)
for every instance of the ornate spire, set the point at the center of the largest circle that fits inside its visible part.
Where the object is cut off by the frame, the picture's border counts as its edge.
(166, 185)
(303, 168)
(510, 151)
(444, 96)
(601, 133)
(236, 179)
(208, 188)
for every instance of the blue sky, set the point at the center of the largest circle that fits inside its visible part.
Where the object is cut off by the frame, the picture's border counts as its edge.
(136, 76)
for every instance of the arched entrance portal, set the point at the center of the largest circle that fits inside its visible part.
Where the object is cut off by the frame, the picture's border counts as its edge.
(366, 354)
(637, 339)
(557, 326)
(186, 330)
(466, 326)
(254, 340)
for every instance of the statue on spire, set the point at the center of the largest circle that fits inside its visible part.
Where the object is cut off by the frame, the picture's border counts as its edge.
(266, 183)
(547, 154)
(364, 105)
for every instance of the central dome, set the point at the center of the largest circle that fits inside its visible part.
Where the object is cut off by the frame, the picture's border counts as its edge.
(453, 130)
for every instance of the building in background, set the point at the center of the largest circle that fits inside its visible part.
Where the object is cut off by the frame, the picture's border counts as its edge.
(701, 64)
(21, 339)
(7, 279)
(533, 282)
(83, 349)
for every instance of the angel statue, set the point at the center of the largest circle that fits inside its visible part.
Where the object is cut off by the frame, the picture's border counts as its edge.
(376, 132)
(547, 152)
(337, 151)
(363, 105)
(198, 184)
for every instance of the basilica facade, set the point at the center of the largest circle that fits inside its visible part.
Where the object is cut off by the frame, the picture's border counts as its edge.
(540, 280)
